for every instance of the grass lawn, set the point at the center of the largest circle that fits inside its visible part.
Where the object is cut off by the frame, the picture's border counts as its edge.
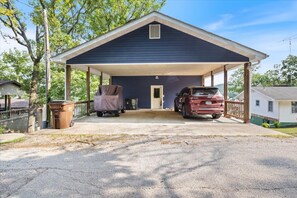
(289, 131)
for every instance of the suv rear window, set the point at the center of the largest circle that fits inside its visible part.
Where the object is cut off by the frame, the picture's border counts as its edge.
(204, 91)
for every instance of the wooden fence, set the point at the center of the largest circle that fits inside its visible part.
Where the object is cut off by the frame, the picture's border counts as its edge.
(235, 109)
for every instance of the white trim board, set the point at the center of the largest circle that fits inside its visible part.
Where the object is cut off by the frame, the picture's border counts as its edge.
(253, 55)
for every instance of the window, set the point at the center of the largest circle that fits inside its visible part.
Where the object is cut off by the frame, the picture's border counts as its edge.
(294, 107)
(155, 31)
(156, 92)
(204, 91)
(257, 103)
(270, 106)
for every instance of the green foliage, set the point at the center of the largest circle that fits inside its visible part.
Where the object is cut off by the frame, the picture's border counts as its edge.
(235, 85)
(284, 74)
(2, 129)
(289, 70)
(110, 14)
(16, 65)
(70, 23)
(277, 124)
(265, 125)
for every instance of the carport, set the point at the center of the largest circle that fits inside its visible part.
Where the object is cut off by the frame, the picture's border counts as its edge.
(160, 53)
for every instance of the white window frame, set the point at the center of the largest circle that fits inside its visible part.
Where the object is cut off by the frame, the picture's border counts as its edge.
(258, 102)
(150, 37)
(271, 106)
(292, 106)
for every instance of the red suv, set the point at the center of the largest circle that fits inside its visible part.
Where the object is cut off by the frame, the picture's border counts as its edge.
(199, 100)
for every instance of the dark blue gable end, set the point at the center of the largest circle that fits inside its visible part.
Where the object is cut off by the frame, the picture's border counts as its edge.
(174, 46)
(140, 87)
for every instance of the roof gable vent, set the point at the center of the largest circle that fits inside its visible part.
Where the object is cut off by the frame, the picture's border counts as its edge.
(155, 31)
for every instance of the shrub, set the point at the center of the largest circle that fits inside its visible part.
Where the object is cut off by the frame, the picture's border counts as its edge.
(277, 124)
(265, 125)
(2, 129)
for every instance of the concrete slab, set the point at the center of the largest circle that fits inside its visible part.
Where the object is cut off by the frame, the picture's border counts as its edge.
(162, 123)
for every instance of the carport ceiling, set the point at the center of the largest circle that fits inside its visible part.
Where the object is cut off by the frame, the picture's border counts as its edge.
(157, 69)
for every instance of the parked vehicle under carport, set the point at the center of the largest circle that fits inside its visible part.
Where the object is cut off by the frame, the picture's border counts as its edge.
(109, 99)
(199, 101)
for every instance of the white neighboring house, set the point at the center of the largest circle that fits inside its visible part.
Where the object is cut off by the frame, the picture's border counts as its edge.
(269, 104)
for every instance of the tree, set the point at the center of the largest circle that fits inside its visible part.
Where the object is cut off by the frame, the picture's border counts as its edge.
(70, 22)
(16, 65)
(284, 74)
(289, 70)
(235, 84)
(118, 13)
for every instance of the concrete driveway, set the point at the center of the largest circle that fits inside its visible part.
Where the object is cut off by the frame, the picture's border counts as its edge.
(147, 166)
(164, 122)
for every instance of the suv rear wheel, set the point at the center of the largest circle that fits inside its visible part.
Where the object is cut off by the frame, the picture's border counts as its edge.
(216, 116)
(175, 108)
(184, 112)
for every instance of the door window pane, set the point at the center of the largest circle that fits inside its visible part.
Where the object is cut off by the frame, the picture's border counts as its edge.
(156, 92)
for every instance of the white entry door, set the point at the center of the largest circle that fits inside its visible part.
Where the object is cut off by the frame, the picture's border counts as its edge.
(156, 96)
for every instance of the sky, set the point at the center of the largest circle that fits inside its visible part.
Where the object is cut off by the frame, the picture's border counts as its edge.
(265, 25)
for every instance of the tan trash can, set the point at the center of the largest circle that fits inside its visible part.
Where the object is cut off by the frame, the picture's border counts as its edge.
(62, 114)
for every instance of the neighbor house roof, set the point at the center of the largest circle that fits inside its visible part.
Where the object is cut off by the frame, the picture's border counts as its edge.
(10, 87)
(5, 82)
(278, 93)
(252, 54)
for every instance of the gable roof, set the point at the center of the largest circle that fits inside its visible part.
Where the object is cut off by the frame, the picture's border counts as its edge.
(5, 82)
(252, 54)
(278, 93)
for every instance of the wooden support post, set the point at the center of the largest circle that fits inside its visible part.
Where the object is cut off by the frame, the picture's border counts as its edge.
(9, 106)
(246, 90)
(88, 74)
(101, 78)
(5, 103)
(212, 78)
(203, 81)
(225, 90)
(67, 82)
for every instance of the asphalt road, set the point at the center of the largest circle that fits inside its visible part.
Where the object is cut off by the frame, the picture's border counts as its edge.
(153, 167)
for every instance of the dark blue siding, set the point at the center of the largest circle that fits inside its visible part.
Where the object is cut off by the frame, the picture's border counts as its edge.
(140, 87)
(174, 46)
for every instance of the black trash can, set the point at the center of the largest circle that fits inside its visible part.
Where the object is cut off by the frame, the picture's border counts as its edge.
(131, 103)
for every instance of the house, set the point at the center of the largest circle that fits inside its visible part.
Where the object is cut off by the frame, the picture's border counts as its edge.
(155, 56)
(273, 104)
(9, 88)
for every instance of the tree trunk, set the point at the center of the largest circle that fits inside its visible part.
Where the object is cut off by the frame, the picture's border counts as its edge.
(33, 98)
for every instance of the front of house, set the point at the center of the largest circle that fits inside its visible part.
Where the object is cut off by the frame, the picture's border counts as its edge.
(274, 104)
(154, 57)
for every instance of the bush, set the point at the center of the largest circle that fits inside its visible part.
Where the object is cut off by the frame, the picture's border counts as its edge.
(2, 129)
(277, 124)
(265, 125)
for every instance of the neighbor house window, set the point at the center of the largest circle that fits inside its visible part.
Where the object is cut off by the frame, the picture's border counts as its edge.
(155, 31)
(270, 106)
(257, 103)
(294, 107)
